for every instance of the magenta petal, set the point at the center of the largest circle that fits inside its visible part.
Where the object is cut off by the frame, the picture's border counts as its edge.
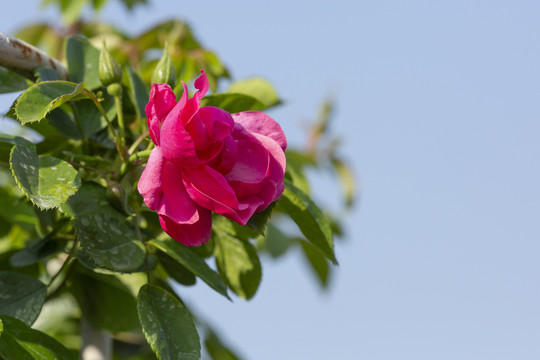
(193, 104)
(177, 145)
(150, 183)
(260, 123)
(161, 102)
(251, 165)
(218, 122)
(208, 188)
(175, 202)
(194, 234)
(277, 164)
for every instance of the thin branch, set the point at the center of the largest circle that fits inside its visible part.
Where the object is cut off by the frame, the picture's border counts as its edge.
(24, 58)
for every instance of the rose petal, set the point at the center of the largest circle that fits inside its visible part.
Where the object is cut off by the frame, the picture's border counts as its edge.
(150, 183)
(252, 162)
(162, 101)
(193, 104)
(175, 202)
(208, 188)
(194, 234)
(177, 145)
(278, 162)
(260, 123)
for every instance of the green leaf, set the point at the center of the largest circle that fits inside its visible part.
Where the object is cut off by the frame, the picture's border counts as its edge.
(11, 82)
(258, 88)
(47, 181)
(233, 103)
(216, 348)
(191, 261)
(21, 296)
(82, 61)
(175, 270)
(138, 92)
(36, 252)
(309, 218)
(318, 263)
(41, 98)
(20, 342)
(347, 180)
(167, 325)
(275, 242)
(106, 302)
(105, 235)
(238, 263)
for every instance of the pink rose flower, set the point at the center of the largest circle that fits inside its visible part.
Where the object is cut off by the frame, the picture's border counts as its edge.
(205, 160)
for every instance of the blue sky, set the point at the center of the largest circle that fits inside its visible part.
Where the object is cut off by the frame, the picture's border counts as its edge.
(438, 108)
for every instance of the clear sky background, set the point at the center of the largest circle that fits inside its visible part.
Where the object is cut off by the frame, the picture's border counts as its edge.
(438, 108)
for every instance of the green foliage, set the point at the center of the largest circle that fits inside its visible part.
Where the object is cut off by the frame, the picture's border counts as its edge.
(258, 88)
(73, 228)
(105, 236)
(21, 296)
(309, 218)
(187, 258)
(238, 263)
(20, 342)
(163, 318)
(41, 98)
(11, 82)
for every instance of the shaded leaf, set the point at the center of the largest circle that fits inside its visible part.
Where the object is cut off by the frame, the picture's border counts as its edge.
(21, 296)
(138, 92)
(36, 252)
(106, 302)
(183, 255)
(105, 235)
(167, 325)
(237, 261)
(309, 218)
(11, 82)
(175, 270)
(20, 342)
(41, 98)
(82, 61)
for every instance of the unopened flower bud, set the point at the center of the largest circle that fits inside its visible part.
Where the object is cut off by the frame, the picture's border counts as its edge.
(114, 90)
(110, 71)
(164, 72)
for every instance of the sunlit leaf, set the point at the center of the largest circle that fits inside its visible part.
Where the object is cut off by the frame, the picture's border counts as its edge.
(193, 262)
(238, 263)
(216, 348)
(41, 98)
(347, 180)
(167, 325)
(233, 103)
(309, 218)
(258, 88)
(47, 181)
(318, 263)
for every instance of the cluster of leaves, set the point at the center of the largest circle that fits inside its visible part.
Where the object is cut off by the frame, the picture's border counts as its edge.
(76, 241)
